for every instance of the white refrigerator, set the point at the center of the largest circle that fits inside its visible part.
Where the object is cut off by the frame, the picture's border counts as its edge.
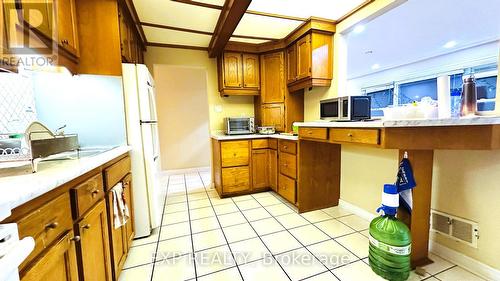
(142, 136)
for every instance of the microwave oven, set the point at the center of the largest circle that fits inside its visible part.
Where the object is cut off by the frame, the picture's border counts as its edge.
(239, 125)
(350, 108)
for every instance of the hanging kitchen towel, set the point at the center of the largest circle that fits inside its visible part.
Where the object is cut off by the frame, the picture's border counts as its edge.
(405, 183)
(120, 209)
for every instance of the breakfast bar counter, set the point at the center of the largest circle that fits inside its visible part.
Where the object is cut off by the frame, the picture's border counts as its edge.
(319, 157)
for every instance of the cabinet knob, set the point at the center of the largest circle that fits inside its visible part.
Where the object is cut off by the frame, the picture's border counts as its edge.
(95, 192)
(75, 239)
(52, 225)
(87, 226)
(285, 147)
(349, 135)
(234, 154)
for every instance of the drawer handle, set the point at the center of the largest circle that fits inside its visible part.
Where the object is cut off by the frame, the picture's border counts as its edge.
(285, 164)
(234, 154)
(349, 135)
(310, 132)
(75, 239)
(285, 147)
(87, 226)
(52, 225)
(95, 192)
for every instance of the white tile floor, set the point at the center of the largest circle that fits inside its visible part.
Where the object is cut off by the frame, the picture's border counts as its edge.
(255, 237)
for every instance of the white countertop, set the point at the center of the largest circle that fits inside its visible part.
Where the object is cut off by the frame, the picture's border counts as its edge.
(18, 185)
(253, 136)
(468, 121)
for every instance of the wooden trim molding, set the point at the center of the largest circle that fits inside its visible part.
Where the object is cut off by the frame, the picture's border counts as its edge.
(176, 28)
(176, 46)
(359, 7)
(230, 16)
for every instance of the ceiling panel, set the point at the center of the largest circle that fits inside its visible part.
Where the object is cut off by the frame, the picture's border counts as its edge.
(166, 36)
(248, 40)
(177, 14)
(330, 9)
(262, 26)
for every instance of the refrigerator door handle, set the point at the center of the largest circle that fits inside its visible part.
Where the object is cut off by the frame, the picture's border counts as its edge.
(148, 122)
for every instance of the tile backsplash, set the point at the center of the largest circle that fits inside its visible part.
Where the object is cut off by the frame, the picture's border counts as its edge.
(17, 103)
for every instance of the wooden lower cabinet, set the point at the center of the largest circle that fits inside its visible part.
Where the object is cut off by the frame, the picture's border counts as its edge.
(58, 263)
(129, 227)
(118, 240)
(260, 168)
(236, 179)
(94, 248)
(286, 188)
(273, 169)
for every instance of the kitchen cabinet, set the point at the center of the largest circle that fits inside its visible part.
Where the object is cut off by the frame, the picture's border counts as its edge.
(94, 244)
(235, 153)
(238, 74)
(291, 63)
(287, 188)
(66, 26)
(130, 47)
(274, 115)
(304, 57)
(236, 179)
(276, 106)
(128, 193)
(58, 263)
(272, 71)
(260, 168)
(273, 169)
(309, 61)
(232, 166)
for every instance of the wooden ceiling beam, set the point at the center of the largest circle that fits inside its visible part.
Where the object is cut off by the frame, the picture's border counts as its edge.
(176, 46)
(230, 16)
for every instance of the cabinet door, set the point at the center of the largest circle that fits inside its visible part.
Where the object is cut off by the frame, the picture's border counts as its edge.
(260, 170)
(251, 71)
(291, 63)
(235, 153)
(273, 169)
(118, 240)
(235, 179)
(274, 115)
(42, 20)
(232, 70)
(273, 78)
(304, 57)
(66, 25)
(129, 227)
(95, 256)
(124, 36)
(58, 263)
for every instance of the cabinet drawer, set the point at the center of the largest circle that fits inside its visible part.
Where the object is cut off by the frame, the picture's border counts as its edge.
(288, 146)
(288, 165)
(234, 153)
(286, 188)
(235, 179)
(273, 143)
(46, 224)
(262, 143)
(87, 194)
(314, 133)
(116, 172)
(365, 136)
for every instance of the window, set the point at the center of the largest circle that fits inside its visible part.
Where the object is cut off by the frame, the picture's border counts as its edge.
(380, 100)
(415, 91)
(486, 93)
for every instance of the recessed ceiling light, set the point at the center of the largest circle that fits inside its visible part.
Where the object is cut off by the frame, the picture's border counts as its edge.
(369, 52)
(359, 28)
(450, 44)
(375, 66)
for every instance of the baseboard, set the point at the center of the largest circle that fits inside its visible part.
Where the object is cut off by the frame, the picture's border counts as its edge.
(453, 256)
(186, 171)
(464, 261)
(357, 210)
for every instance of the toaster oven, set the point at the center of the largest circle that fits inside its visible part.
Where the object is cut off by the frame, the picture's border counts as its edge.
(239, 125)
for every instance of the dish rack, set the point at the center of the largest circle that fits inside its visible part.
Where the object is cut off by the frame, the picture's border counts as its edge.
(33, 149)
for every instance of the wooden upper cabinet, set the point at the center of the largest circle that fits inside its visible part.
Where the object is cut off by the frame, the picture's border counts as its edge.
(251, 77)
(94, 244)
(232, 70)
(42, 20)
(239, 74)
(273, 78)
(291, 63)
(260, 169)
(124, 36)
(274, 115)
(58, 263)
(66, 25)
(304, 67)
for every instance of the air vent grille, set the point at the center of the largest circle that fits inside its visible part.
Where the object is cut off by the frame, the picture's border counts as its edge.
(456, 228)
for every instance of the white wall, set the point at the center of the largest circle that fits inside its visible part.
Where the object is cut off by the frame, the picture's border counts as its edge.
(90, 105)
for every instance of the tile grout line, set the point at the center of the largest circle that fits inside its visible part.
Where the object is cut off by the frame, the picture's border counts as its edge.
(159, 230)
(190, 229)
(260, 238)
(221, 229)
(303, 246)
(331, 270)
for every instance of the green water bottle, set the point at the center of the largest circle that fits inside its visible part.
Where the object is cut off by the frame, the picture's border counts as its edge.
(390, 240)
